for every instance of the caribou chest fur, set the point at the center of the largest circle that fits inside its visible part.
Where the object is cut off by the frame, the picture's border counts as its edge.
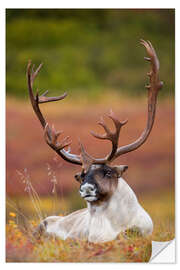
(104, 218)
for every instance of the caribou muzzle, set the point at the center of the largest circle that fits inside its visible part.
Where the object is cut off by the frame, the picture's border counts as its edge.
(89, 191)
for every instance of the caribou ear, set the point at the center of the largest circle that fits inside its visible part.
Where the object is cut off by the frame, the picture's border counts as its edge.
(78, 177)
(121, 169)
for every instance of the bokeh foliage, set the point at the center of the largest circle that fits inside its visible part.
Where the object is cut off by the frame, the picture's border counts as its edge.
(90, 50)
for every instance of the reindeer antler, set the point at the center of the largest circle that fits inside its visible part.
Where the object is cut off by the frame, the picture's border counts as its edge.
(51, 135)
(153, 89)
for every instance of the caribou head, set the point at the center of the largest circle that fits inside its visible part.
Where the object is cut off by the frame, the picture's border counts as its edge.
(100, 181)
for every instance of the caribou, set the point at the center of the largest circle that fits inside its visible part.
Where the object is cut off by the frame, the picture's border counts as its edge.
(112, 206)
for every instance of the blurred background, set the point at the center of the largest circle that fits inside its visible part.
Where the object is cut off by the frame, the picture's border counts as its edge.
(94, 55)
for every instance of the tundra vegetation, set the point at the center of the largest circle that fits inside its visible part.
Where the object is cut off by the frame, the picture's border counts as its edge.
(24, 246)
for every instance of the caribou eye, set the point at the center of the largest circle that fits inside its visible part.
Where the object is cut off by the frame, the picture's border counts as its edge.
(108, 173)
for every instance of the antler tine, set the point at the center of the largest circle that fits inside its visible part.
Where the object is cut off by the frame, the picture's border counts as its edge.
(31, 74)
(116, 122)
(109, 135)
(150, 51)
(104, 136)
(107, 130)
(115, 136)
(53, 139)
(153, 59)
(44, 99)
(35, 73)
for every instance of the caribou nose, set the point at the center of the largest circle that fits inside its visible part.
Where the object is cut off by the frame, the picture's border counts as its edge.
(87, 188)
